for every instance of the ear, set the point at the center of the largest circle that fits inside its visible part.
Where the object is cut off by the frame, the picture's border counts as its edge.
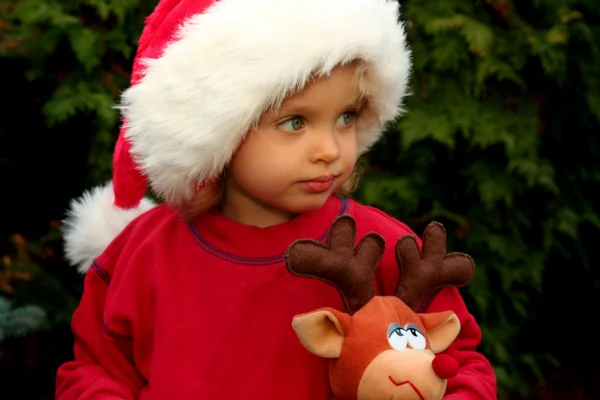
(321, 332)
(442, 328)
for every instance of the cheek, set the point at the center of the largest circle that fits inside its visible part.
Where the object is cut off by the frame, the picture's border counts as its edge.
(349, 141)
(352, 150)
(257, 163)
(245, 167)
(349, 150)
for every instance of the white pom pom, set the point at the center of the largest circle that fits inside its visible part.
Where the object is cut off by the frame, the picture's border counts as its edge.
(92, 222)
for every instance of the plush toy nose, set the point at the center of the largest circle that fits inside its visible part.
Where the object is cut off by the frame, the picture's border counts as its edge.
(444, 366)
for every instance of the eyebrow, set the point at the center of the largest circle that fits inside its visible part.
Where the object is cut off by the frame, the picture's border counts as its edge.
(412, 326)
(306, 107)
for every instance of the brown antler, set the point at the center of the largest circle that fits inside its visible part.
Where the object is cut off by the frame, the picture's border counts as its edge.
(350, 270)
(422, 273)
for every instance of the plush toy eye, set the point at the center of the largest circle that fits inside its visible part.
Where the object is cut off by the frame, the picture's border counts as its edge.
(415, 338)
(397, 337)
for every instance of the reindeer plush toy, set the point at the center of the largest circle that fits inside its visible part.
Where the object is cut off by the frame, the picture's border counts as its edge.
(381, 348)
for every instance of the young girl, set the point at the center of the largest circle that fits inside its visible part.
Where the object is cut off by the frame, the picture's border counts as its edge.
(246, 117)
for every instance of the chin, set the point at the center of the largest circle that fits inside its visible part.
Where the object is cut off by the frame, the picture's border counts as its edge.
(308, 203)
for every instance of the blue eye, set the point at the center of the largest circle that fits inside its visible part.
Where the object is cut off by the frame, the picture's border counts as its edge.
(346, 118)
(293, 124)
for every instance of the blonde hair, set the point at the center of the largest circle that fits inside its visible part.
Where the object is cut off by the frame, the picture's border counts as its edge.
(203, 200)
(211, 195)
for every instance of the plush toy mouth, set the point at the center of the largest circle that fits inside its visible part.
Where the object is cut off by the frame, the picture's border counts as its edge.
(408, 383)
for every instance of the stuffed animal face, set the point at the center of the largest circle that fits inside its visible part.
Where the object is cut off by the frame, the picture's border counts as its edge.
(381, 348)
(384, 351)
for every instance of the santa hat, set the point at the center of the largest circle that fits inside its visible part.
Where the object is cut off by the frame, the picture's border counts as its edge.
(205, 71)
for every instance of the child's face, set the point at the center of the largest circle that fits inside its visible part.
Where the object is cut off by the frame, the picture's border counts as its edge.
(299, 154)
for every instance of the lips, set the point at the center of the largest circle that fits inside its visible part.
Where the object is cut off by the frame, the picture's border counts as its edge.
(319, 185)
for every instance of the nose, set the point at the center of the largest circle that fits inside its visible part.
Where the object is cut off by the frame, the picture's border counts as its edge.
(444, 366)
(326, 148)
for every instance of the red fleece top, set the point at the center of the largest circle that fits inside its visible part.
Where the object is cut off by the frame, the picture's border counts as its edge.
(203, 310)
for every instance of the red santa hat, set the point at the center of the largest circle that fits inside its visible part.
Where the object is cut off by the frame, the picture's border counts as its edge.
(205, 71)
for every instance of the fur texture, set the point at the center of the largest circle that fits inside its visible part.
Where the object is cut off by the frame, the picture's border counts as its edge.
(93, 222)
(192, 105)
(195, 103)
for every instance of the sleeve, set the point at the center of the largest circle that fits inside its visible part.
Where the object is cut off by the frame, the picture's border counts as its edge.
(476, 378)
(103, 367)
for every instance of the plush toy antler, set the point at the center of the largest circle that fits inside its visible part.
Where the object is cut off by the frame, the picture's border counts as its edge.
(350, 270)
(381, 348)
(421, 274)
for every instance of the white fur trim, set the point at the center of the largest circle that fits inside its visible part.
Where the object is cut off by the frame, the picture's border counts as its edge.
(195, 103)
(92, 222)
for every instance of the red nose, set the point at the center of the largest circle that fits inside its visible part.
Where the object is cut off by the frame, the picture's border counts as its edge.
(445, 366)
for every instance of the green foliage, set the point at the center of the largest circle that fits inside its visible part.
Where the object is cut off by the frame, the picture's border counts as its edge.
(19, 321)
(32, 295)
(499, 87)
(82, 51)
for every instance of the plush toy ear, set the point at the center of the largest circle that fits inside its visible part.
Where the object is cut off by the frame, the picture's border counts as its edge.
(321, 332)
(442, 328)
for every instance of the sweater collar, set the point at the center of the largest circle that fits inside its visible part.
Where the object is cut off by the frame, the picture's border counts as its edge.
(251, 245)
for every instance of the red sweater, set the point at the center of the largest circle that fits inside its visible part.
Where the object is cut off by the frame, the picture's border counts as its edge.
(203, 310)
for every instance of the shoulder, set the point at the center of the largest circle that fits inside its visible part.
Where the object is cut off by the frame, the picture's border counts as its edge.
(153, 229)
(371, 219)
